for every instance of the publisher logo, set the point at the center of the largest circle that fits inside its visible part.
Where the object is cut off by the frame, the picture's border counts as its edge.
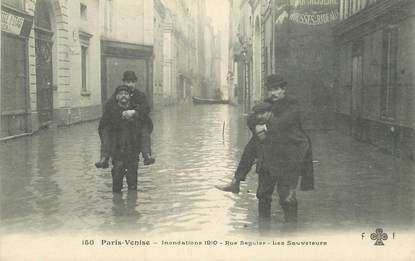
(379, 236)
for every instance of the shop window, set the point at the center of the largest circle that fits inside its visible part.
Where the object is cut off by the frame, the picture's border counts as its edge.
(84, 65)
(108, 16)
(13, 74)
(389, 72)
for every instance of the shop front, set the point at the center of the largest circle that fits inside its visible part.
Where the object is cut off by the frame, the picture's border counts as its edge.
(15, 109)
(305, 56)
(117, 57)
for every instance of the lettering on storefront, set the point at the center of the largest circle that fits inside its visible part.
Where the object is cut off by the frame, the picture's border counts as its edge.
(315, 19)
(308, 12)
(11, 23)
(297, 3)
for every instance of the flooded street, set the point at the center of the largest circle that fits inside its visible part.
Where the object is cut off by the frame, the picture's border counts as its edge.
(49, 181)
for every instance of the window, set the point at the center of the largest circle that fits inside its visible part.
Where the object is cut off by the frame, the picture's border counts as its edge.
(389, 72)
(108, 16)
(84, 41)
(83, 10)
(84, 65)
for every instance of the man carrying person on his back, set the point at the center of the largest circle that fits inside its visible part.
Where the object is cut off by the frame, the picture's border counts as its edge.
(286, 154)
(140, 109)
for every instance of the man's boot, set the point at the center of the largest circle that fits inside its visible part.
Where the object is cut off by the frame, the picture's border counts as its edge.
(290, 211)
(103, 163)
(264, 209)
(264, 216)
(117, 178)
(233, 186)
(148, 159)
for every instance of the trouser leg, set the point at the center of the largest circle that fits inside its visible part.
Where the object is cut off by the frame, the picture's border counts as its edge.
(290, 207)
(145, 138)
(132, 169)
(105, 139)
(117, 172)
(266, 184)
(247, 160)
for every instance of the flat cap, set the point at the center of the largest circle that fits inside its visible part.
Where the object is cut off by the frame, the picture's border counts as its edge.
(262, 107)
(275, 81)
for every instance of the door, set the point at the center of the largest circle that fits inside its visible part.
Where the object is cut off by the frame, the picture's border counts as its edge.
(44, 76)
(15, 107)
(357, 96)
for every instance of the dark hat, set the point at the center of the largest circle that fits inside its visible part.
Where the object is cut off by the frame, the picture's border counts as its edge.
(122, 88)
(262, 107)
(129, 76)
(275, 81)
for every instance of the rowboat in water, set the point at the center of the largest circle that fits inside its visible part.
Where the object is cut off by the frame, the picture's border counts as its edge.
(197, 100)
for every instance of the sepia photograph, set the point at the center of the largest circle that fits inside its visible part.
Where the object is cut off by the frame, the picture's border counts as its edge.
(207, 130)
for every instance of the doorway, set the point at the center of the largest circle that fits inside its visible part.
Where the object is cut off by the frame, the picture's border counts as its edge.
(44, 68)
(357, 127)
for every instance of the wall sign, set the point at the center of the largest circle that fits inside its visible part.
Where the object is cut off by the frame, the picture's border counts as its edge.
(11, 23)
(307, 12)
(15, 24)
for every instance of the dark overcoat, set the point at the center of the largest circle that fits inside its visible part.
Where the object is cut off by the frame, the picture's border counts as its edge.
(139, 103)
(122, 134)
(287, 147)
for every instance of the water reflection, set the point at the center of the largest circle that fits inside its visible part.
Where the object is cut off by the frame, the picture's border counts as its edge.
(46, 188)
(124, 209)
(49, 182)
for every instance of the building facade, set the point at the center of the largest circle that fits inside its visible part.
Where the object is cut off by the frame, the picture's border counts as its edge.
(257, 51)
(305, 56)
(17, 34)
(181, 62)
(52, 45)
(240, 54)
(160, 14)
(185, 47)
(127, 44)
(251, 50)
(375, 86)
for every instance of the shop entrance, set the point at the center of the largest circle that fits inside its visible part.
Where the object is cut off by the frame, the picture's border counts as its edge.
(44, 69)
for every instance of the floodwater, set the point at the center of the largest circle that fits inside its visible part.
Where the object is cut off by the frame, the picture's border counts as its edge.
(49, 182)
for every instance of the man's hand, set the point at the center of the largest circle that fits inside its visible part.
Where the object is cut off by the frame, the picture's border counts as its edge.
(291, 196)
(128, 114)
(260, 131)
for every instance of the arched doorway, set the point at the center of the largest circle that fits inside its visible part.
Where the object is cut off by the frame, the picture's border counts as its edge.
(44, 69)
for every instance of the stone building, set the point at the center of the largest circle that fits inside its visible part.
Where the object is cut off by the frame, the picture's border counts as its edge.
(240, 54)
(49, 52)
(127, 44)
(160, 15)
(305, 55)
(375, 80)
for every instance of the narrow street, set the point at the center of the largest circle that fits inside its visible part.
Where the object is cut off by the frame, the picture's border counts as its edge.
(49, 181)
